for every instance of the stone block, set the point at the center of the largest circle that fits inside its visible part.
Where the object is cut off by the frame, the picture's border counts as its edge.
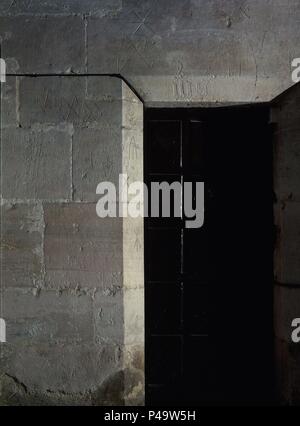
(133, 255)
(43, 44)
(50, 371)
(134, 356)
(132, 136)
(9, 102)
(97, 157)
(160, 46)
(22, 245)
(52, 100)
(47, 318)
(109, 318)
(55, 100)
(104, 88)
(36, 163)
(81, 249)
(35, 7)
(134, 316)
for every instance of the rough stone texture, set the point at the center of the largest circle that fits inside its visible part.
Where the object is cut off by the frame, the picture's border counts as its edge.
(133, 251)
(84, 102)
(81, 249)
(43, 44)
(109, 317)
(9, 102)
(22, 245)
(35, 7)
(173, 52)
(103, 89)
(36, 163)
(192, 51)
(51, 101)
(63, 269)
(74, 369)
(96, 158)
(198, 51)
(40, 318)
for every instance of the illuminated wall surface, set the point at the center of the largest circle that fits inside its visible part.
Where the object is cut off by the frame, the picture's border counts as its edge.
(78, 77)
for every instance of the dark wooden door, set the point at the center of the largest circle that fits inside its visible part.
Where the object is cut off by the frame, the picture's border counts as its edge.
(208, 291)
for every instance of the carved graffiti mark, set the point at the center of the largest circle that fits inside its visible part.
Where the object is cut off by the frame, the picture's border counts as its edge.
(107, 165)
(121, 63)
(141, 50)
(183, 89)
(133, 149)
(75, 110)
(72, 108)
(12, 4)
(244, 13)
(91, 112)
(181, 86)
(25, 4)
(45, 101)
(179, 69)
(142, 22)
(137, 242)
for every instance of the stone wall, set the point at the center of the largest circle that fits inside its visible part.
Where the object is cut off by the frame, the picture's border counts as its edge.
(171, 51)
(73, 296)
(64, 271)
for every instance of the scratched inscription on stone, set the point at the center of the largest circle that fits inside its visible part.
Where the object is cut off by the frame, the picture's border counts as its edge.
(76, 110)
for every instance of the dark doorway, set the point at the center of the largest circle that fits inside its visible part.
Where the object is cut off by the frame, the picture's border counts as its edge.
(209, 291)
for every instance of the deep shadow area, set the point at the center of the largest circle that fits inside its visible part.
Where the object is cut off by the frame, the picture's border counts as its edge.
(209, 291)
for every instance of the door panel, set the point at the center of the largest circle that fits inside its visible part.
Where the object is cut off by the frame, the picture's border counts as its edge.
(164, 254)
(167, 316)
(165, 149)
(285, 118)
(209, 291)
